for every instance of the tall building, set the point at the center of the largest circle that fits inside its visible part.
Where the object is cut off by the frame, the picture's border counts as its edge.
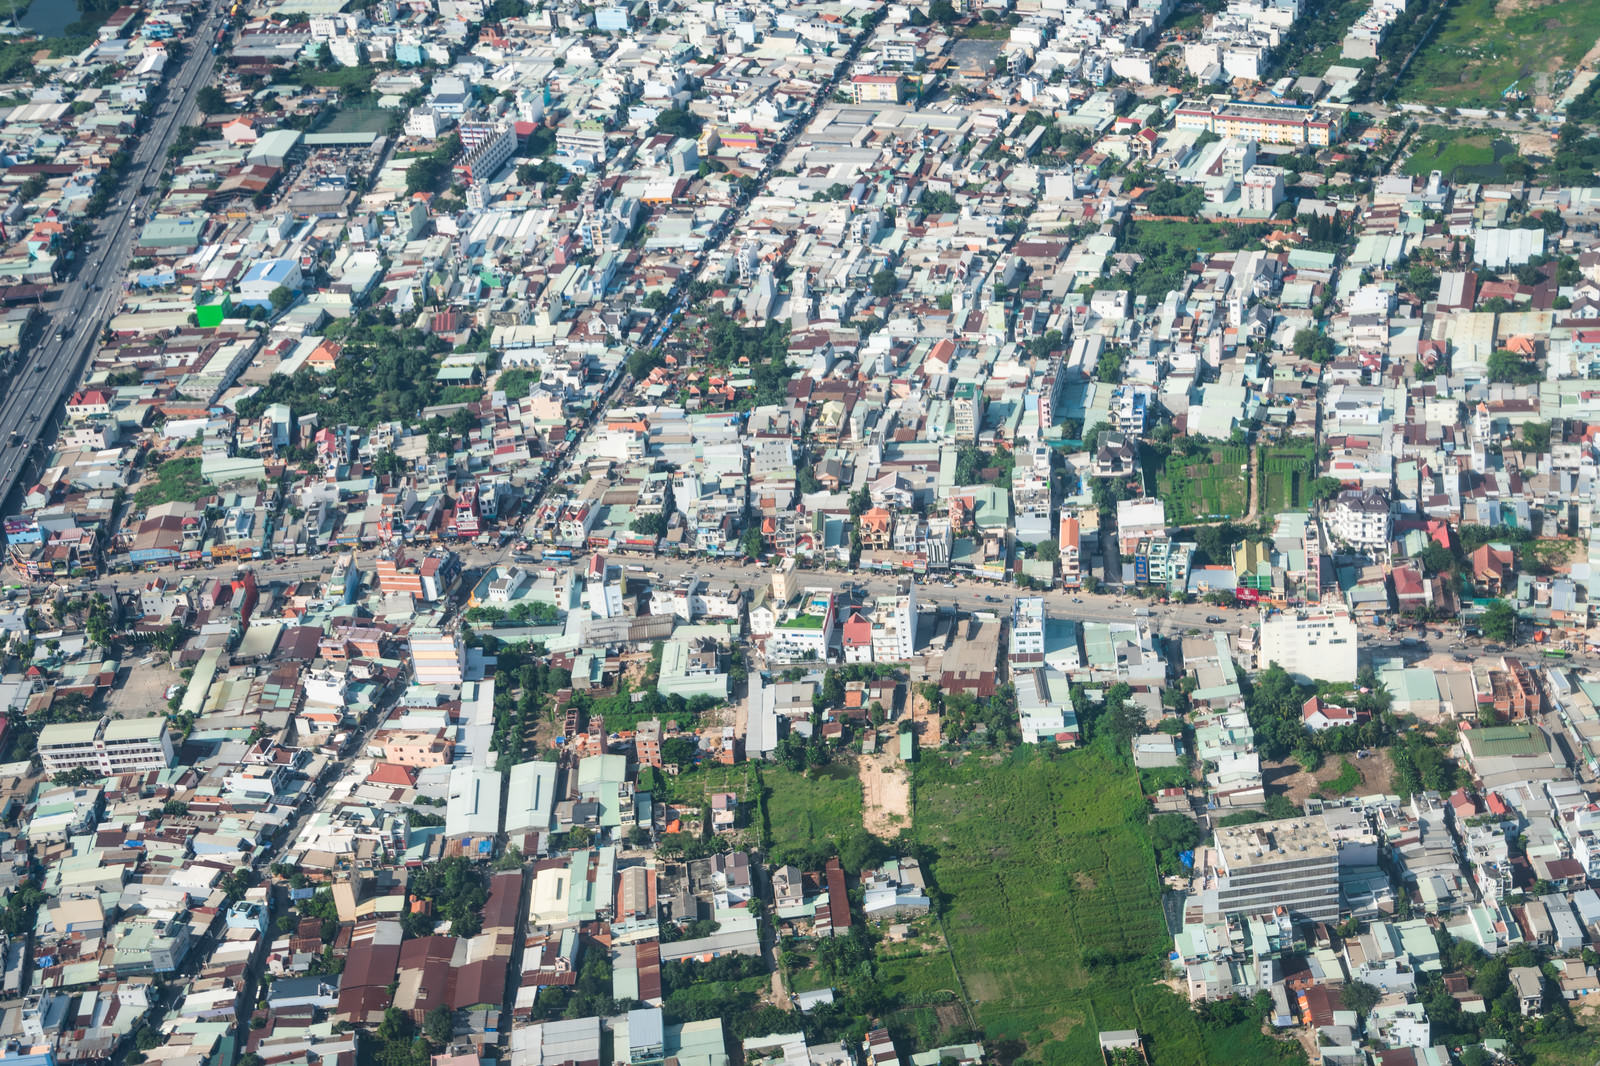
(1068, 539)
(108, 746)
(1292, 863)
(437, 656)
(894, 625)
(1027, 631)
(1315, 644)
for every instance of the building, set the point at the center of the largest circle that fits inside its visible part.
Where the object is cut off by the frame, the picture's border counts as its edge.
(437, 656)
(485, 148)
(1361, 520)
(1317, 644)
(878, 89)
(108, 746)
(1292, 863)
(1267, 123)
(1027, 631)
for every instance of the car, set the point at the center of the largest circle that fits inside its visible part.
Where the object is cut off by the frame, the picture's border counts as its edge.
(1215, 620)
(991, 599)
(1496, 648)
(1077, 599)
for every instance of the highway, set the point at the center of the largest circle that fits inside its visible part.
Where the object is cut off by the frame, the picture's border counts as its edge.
(46, 375)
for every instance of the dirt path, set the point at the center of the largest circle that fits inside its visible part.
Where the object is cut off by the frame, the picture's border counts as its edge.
(886, 806)
(925, 723)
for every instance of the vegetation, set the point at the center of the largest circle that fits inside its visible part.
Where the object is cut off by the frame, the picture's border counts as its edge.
(456, 888)
(383, 374)
(1284, 474)
(1048, 895)
(1478, 52)
(1200, 481)
(1462, 154)
(809, 814)
(1167, 248)
(176, 479)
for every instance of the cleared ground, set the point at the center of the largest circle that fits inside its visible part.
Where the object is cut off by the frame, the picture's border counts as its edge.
(1481, 50)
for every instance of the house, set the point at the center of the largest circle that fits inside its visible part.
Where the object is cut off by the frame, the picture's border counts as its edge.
(1316, 715)
(1528, 983)
(1493, 569)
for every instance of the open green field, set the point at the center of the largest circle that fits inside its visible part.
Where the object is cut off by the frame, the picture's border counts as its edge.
(1286, 472)
(1054, 916)
(1481, 48)
(362, 120)
(1463, 155)
(804, 810)
(1206, 487)
(696, 788)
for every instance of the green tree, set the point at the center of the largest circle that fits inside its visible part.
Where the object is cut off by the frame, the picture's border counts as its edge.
(1047, 551)
(1325, 488)
(439, 1026)
(1499, 621)
(750, 540)
(1360, 997)
(210, 100)
(1436, 558)
(281, 298)
(884, 282)
(1535, 437)
(1507, 367)
(942, 11)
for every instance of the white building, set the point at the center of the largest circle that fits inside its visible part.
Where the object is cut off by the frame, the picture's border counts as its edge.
(1361, 520)
(1318, 644)
(108, 746)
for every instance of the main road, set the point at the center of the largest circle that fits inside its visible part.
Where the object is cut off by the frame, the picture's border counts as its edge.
(46, 375)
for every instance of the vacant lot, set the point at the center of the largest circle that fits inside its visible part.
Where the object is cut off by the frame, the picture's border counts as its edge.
(1053, 911)
(1286, 472)
(805, 810)
(1462, 155)
(1207, 487)
(1477, 53)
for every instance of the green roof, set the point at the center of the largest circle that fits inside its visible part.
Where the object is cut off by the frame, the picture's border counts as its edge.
(1503, 740)
(803, 621)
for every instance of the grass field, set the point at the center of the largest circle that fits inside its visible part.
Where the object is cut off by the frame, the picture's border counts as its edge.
(1207, 487)
(803, 810)
(1053, 911)
(1286, 472)
(1463, 155)
(1478, 50)
(362, 120)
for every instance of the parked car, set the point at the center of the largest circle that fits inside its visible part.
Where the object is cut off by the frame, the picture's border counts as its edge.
(1215, 620)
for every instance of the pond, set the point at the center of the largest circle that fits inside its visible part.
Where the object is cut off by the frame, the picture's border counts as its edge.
(47, 18)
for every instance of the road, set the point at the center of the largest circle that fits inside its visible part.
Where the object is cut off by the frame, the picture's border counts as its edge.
(47, 374)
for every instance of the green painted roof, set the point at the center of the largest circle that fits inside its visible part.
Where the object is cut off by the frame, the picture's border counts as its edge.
(1503, 740)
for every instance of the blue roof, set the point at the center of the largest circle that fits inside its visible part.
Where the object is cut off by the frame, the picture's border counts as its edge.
(269, 270)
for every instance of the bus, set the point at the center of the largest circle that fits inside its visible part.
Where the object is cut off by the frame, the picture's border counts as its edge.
(1557, 653)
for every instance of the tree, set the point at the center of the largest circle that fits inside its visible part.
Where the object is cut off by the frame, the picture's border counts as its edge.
(1325, 488)
(750, 540)
(884, 282)
(1535, 437)
(942, 11)
(439, 1026)
(1312, 344)
(281, 298)
(651, 525)
(1360, 997)
(210, 100)
(679, 751)
(1047, 551)
(1499, 621)
(1435, 558)
(1507, 367)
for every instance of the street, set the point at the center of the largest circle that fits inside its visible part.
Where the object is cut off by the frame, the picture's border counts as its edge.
(46, 375)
